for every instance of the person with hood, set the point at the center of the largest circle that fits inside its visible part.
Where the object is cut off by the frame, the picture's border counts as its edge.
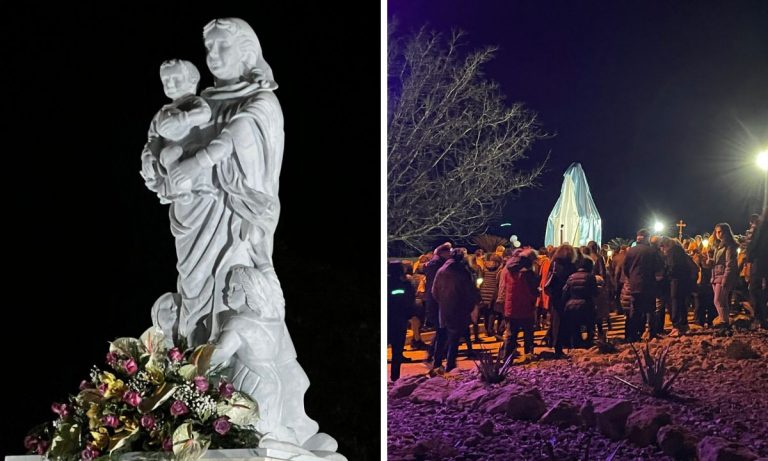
(561, 268)
(521, 289)
(456, 294)
(725, 272)
(579, 302)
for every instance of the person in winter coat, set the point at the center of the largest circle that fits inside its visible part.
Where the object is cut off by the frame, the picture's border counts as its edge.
(488, 292)
(400, 300)
(681, 271)
(561, 268)
(725, 271)
(521, 288)
(579, 302)
(439, 256)
(455, 291)
(642, 269)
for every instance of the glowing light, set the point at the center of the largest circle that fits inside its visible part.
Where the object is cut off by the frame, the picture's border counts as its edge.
(610, 253)
(506, 224)
(399, 291)
(658, 226)
(762, 160)
(479, 281)
(705, 243)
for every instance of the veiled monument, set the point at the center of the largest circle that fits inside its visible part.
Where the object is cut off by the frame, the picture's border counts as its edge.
(215, 159)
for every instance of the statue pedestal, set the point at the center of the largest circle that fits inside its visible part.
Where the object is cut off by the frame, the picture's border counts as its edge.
(255, 454)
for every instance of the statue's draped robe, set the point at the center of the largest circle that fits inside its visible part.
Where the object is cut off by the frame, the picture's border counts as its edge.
(236, 224)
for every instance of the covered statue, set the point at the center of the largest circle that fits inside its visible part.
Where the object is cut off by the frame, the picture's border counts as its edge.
(574, 219)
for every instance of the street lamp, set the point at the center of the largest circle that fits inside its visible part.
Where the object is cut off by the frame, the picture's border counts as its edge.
(762, 163)
(658, 227)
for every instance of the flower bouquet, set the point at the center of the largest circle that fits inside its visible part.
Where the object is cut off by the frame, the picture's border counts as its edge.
(151, 397)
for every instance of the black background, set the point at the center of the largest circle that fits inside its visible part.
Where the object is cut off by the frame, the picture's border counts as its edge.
(89, 249)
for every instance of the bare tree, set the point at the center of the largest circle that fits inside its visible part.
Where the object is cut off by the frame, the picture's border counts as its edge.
(453, 145)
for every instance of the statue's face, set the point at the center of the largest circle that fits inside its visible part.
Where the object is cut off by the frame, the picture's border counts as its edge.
(175, 83)
(224, 55)
(234, 296)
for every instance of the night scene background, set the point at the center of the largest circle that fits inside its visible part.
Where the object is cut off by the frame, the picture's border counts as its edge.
(88, 247)
(664, 104)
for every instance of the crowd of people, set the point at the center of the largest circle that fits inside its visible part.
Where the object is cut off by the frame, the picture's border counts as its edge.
(570, 291)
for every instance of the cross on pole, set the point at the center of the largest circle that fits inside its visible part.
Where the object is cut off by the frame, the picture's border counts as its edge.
(680, 226)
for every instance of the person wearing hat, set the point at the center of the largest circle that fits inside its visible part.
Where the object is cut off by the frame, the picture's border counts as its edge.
(439, 257)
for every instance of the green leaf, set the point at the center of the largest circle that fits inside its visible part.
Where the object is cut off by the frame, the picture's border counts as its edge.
(66, 441)
(189, 445)
(128, 346)
(188, 371)
(123, 439)
(201, 357)
(240, 408)
(163, 393)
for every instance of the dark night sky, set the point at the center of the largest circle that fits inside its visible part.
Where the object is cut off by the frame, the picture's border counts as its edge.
(665, 104)
(89, 249)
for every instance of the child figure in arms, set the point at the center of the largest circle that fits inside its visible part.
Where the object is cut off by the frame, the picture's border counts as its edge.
(171, 131)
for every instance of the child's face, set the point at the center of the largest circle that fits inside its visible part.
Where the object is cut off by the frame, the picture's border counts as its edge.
(234, 296)
(175, 83)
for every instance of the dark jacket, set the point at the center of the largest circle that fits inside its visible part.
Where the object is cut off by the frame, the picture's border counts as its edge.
(579, 291)
(641, 264)
(558, 275)
(430, 271)
(521, 288)
(455, 292)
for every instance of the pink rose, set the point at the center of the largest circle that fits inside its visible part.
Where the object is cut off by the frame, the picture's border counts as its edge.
(110, 421)
(132, 398)
(89, 453)
(175, 355)
(42, 447)
(103, 387)
(222, 425)
(179, 408)
(167, 444)
(201, 383)
(226, 389)
(30, 442)
(130, 367)
(60, 409)
(148, 422)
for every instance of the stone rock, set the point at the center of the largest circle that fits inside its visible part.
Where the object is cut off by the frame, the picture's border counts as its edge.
(468, 394)
(739, 350)
(404, 386)
(526, 405)
(486, 427)
(718, 449)
(644, 423)
(563, 414)
(676, 442)
(587, 414)
(705, 346)
(611, 416)
(433, 390)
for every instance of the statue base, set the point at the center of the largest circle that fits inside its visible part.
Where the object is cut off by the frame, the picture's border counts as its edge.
(252, 454)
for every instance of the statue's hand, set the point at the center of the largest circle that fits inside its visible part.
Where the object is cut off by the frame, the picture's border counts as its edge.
(172, 127)
(148, 167)
(185, 170)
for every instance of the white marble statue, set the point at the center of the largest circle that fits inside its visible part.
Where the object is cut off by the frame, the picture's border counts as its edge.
(256, 345)
(172, 132)
(216, 159)
(233, 209)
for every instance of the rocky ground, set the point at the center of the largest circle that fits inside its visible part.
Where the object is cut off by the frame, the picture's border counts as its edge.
(576, 409)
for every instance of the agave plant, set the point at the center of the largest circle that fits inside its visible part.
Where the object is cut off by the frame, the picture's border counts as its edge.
(653, 370)
(493, 370)
(489, 242)
(618, 242)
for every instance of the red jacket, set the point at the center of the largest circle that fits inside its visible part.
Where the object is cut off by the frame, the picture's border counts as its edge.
(520, 293)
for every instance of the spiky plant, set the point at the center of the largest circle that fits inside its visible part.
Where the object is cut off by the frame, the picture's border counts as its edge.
(618, 242)
(489, 242)
(653, 370)
(492, 370)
